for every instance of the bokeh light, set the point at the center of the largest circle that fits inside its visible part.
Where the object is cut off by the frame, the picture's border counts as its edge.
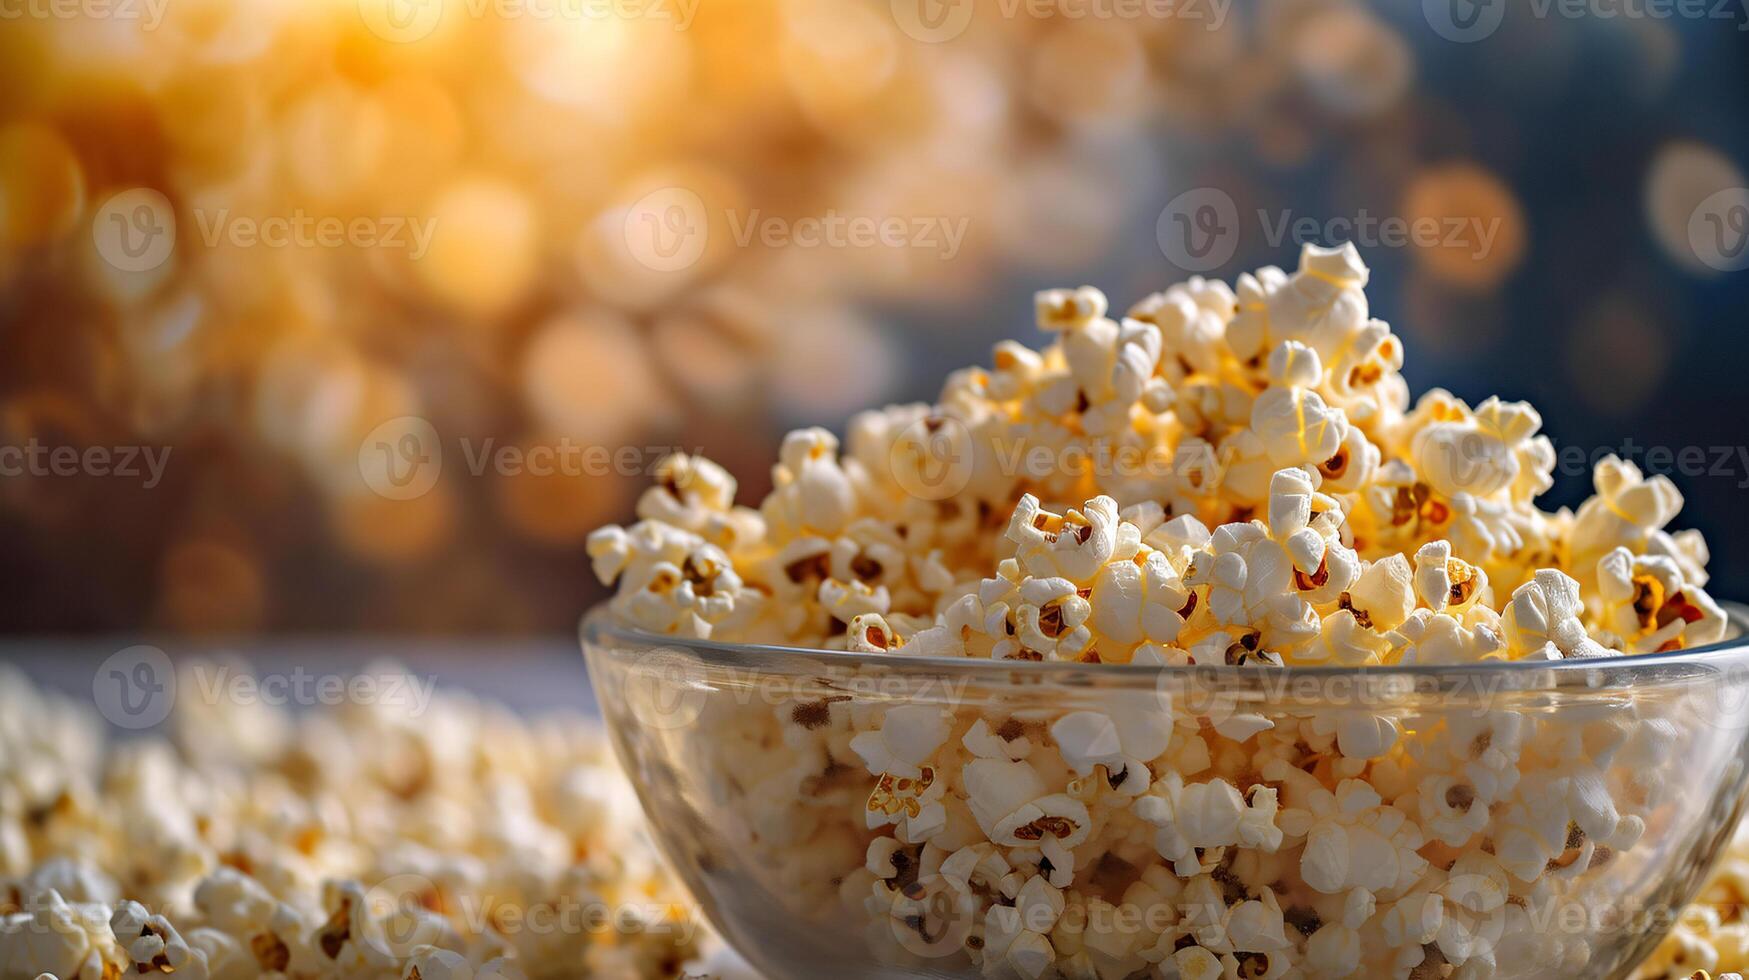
(260, 230)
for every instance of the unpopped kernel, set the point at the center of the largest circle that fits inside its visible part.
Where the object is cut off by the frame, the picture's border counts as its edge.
(1291, 507)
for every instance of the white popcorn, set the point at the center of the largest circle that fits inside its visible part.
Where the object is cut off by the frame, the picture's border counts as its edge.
(1443, 582)
(1544, 615)
(1333, 951)
(908, 738)
(1124, 741)
(1645, 603)
(1051, 619)
(1485, 453)
(152, 943)
(697, 495)
(1134, 603)
(1196, 963)
(1054, 818)
(1062, 309)
(1073, 546)
(431, 963)
(812, 494)
(1384, 593)
(914, 805)
(1626, 511)
(1296, 426)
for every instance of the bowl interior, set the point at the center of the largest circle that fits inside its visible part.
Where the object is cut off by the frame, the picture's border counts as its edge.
(782, 783)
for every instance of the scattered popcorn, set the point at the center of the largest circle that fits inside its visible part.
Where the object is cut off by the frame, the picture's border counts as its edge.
(365, 841)
(1219, 478)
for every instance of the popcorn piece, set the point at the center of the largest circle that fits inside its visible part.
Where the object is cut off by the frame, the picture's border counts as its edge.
(1384, 595)
(1628, 511)
(1646, 604)
(908, 737)
(1062, 309)
(1542, 620)
(152, 943)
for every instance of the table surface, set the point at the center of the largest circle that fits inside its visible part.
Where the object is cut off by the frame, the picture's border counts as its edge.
(531, 676)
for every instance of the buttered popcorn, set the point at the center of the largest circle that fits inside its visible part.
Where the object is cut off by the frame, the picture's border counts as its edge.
(364, 842)
(1223, 477)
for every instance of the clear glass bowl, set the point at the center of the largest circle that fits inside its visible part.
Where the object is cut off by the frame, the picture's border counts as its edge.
(744, 759)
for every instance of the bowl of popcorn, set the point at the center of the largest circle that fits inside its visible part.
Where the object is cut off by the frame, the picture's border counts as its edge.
(1184, 647)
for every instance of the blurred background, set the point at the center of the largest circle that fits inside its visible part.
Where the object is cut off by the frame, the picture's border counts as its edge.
(358, 315)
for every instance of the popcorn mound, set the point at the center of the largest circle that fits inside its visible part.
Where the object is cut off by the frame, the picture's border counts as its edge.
(359, 842)
(1222, 476)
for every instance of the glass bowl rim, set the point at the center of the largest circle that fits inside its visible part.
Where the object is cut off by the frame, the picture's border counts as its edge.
(1732, 652)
